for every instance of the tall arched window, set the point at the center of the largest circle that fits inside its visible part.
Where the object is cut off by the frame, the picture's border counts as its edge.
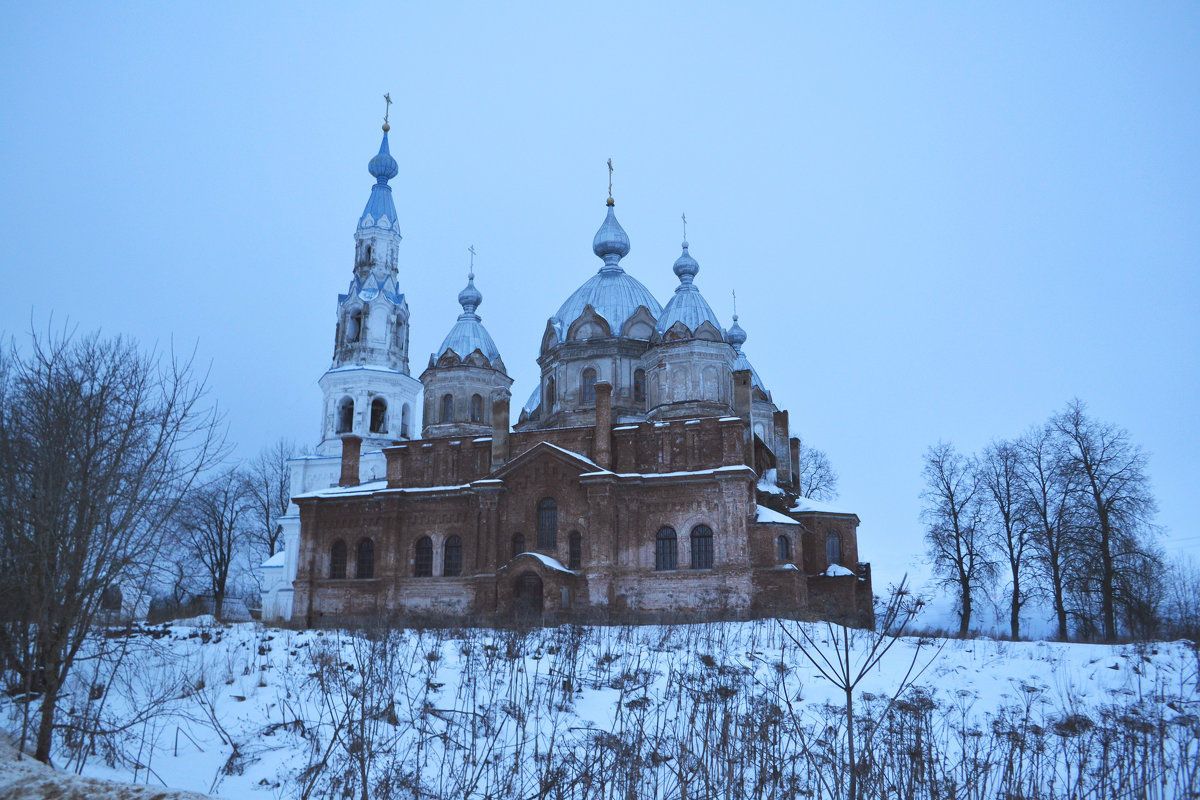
(423, 564)
(784, 545)
(378, 415)
(639, 387)
(447, 408)
(518, 544)
(354, 326)
(574, 551)
(476, 408)
(665, 549)
(550, 394)
(588, 387)
(833, 548)
(364, 566)
(345, 415)
(405, 422)
(452, 557)
(547, 524)
(702, 547)
(337, 560)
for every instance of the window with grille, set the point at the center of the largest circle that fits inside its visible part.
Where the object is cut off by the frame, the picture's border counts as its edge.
(702, 547)
(476, 408)
(575, 551)
(665, 550)
(588, 387)
(447, 408)
(337, 560)
(833, 548)
(452, 557)
(423, 566)
(547, 524)
(364, 565)
(639, 386)
(785, 548)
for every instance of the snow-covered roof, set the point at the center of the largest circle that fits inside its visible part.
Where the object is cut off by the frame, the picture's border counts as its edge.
(277, 560)
(551, 563)
(838, 571)
(764, 514)
(805, 504)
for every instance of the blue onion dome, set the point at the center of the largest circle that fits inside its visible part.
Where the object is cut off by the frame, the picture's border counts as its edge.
(736, 336)
(383, 167)
(685, 266)
(611, 242)
(470, 298)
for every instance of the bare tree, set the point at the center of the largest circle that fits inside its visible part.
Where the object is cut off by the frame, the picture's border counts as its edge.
(815, 476)
(952, 512)
(1120, 506)
(1008, 520)
(213, 527)
(269, 482)
(99, 444)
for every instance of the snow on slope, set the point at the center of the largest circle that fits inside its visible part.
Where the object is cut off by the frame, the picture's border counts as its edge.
(255, 712)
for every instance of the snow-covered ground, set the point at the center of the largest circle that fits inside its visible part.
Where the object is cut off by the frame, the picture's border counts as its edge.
(728, 709)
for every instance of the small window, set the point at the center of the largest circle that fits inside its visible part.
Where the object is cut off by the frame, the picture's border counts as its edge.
(665, 550)
(476, 408)
(574, 551)
(447, 408)
(702, 547)
(337, 560)
(547, 524)
(345, 415)
(784, 545)
(423, 565)
(833, 548)
(550, 395)
(378, 415)
(365, 564)
(452, 557)
(639, 387)
(518, 544)
(588, 387)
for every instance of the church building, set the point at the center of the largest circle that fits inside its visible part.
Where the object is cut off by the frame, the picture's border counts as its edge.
(649, 476)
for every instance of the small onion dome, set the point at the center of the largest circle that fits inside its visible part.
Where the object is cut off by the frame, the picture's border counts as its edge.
(383, 167)
(736, 336)
(470, 298)
(611, 242)
(685, 266)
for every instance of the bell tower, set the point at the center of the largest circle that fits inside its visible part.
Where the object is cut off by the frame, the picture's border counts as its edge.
(367, 389)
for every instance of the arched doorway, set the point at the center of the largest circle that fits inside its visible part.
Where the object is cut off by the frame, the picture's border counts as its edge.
(527, 597)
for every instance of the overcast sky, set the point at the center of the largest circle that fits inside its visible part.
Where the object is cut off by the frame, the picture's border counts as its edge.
(942, 221)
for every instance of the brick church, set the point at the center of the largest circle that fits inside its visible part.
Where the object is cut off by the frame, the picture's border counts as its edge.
(649, 476)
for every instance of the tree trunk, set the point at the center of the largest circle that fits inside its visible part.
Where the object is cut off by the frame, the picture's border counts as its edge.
(45, 736)
(1015, 620)
(850, 744)
(964, 617)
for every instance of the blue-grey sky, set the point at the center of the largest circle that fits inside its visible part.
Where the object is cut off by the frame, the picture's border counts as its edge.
(943, 221)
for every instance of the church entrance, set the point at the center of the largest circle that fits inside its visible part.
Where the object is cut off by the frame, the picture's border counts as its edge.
(527, 598)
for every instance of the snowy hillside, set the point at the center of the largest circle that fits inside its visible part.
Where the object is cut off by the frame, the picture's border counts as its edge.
(730, 710)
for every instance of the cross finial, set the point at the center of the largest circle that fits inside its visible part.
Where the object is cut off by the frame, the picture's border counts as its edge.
(735, 305)
(471, 274)
(683, 216)
(386, 111)
(610, 200)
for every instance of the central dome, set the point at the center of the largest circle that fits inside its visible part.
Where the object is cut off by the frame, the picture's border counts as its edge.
(614, 294)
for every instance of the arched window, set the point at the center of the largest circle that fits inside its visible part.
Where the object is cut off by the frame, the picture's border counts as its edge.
(354, 326)
(785, 547)
(574, 550)
(833, 548)
(365, 563)
(702, 547)
(639, 386)
(476, 408)
(547, 524)
(550, 394)
(368, 252)
(665, 550)
(588, 387)
(452, 557)
(405, 422)
(337, 560)
(345, 415)
(447, 408)
(378, 415)
(423, 565)
(518, 544)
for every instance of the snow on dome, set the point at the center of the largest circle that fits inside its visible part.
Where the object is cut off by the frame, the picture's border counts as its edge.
(614, 294)
(687, 305)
